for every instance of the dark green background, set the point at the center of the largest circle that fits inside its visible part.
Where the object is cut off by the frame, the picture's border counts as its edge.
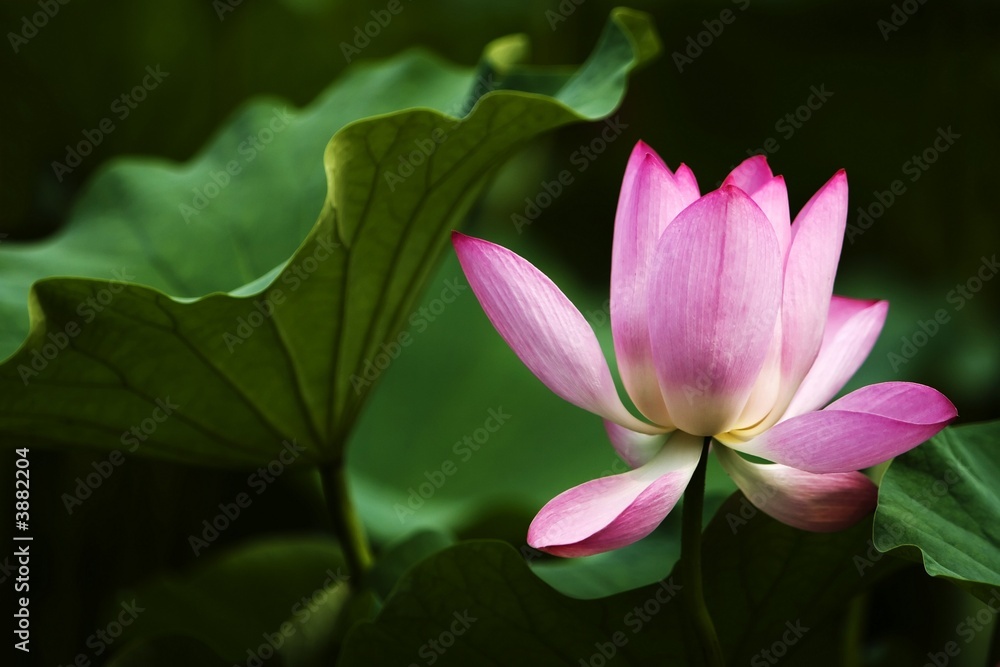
(940, 69)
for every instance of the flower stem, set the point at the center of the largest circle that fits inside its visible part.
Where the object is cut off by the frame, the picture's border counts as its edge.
(346, 524)
(693, 593)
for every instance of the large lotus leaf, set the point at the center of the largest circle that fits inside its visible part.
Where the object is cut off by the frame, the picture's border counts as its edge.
(765, 584)
(940, 503)
(198, 349)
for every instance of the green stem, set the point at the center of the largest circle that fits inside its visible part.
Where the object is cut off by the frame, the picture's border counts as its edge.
(693, 593)
(855, 628)
(346, 524)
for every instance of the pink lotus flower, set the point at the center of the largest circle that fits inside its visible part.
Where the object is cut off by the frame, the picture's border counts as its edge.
(724, 325)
